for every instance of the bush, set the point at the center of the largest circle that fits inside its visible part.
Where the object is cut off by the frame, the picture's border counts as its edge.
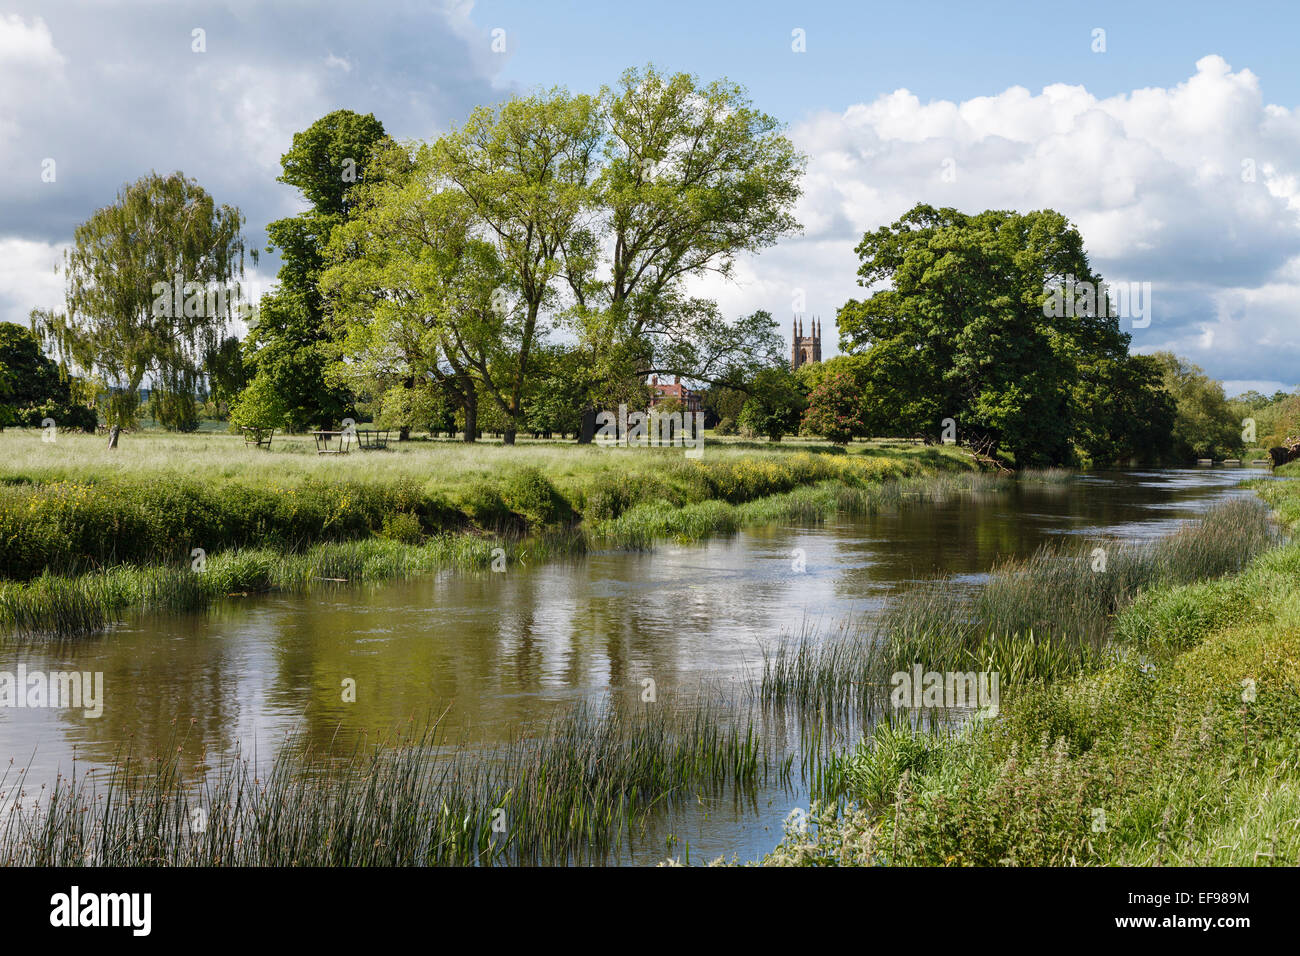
(528, 492)
(258, 406)
(403, 526)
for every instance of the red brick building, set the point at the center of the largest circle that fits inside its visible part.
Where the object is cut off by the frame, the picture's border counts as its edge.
(690, 400)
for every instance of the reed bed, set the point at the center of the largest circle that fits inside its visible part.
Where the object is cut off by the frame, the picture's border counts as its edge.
(1033, 622)
(641, 526)
(572, 794)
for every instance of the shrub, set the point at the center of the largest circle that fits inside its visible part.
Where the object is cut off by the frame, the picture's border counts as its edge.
(402, 526)
(528, 492)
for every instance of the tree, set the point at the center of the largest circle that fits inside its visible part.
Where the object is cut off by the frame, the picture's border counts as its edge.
(32, 388)
(259, 407)
(149, 290)
(775, 404)
(1204, 425)
(1125, 413)
(525, 168)
(835, 407)
(964, 326)
(543, 213)
(416, 295)
(691, 176)
(289, 345)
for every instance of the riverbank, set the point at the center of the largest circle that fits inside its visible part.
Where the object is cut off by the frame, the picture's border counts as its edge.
(1176, 746)
(175, 522)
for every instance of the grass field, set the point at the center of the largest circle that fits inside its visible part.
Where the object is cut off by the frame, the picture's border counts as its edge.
(87, 533)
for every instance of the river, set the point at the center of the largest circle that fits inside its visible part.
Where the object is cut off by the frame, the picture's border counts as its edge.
(498, 651)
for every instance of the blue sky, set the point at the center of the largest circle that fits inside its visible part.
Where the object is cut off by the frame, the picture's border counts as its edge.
(856, 51)
(1176, 150)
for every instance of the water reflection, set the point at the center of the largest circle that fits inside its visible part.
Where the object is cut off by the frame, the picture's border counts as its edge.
(498, 651)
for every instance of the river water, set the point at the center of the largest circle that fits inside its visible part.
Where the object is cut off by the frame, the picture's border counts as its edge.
(497, 652)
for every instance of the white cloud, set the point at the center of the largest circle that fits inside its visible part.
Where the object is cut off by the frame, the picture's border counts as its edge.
(1154, 179)
(111, 94)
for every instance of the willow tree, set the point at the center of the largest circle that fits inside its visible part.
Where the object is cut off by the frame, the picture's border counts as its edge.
(152, 283)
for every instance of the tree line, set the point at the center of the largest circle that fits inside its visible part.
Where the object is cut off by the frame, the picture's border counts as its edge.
(531, 267)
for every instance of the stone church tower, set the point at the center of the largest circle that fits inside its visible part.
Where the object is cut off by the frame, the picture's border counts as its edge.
(805, 348)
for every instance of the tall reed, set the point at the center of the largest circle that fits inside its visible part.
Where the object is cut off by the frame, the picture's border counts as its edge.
(571, 794)
(1033, 621)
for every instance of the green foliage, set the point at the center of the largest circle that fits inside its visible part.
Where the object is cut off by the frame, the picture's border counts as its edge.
(71, 526)
(175, 411)
(1204, 424)
(32, 388)
(123, 321)
(775, 404)
(556, 209)
(1125, 412)
(288, 346)
(402, 526)
(527, 492)
(835, 406)
(259, 405)
(962, 330)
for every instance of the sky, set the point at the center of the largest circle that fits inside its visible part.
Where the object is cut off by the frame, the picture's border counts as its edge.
(1169, 133)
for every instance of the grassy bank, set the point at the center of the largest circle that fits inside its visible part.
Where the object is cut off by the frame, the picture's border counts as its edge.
(1177, 747)
(1033, 621)
(86, 534)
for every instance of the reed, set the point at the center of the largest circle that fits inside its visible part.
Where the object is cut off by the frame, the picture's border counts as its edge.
(58, 606)
(570, 794)
(1033, 621)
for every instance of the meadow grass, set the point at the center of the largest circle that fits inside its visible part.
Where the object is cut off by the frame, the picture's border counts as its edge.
(87, 534)
(569, 794)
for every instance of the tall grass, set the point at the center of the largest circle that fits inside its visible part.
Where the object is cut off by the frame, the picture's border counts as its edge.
(1032, 621)
(388, 529)
(54, 605)
(642, 525)
(64, 510)
(572, 794)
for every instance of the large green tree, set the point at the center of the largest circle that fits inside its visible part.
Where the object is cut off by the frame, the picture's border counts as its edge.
(526, 169)
(775, 404)
(33, 388)
(691, 176)
(419, 294)
(290, 343)
(151, 287)
(959, 326)
(1204, 424)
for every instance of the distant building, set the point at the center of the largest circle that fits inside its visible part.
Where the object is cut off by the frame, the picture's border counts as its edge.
(691, 401)
(805, 348)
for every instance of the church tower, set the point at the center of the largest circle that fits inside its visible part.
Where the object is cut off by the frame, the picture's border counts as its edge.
(805, 348)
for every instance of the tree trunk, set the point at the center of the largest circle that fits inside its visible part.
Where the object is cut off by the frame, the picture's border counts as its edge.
(404, 433)
(508, 436)
(471, 417)
(112, 436)
(588, 433)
